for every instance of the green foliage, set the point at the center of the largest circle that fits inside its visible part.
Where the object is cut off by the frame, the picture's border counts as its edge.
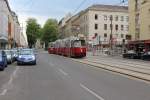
(33, 31)
(50, 31)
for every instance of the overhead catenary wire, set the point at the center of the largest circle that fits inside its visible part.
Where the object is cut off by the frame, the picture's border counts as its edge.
(79, 6)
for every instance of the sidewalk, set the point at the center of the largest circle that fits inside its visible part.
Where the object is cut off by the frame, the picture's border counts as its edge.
(135, 68)
(100, 53)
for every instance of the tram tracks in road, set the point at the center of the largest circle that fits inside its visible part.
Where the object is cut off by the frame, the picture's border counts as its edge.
(127, 61)
(142, 69)
(124, 71)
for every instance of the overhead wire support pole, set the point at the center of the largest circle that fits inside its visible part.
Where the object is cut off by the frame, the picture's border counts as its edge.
(111, 34)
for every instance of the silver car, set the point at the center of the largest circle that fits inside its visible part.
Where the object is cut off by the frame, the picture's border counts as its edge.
(26, 56)
(9, 56)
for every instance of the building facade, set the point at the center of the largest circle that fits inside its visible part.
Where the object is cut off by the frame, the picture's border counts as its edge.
(10, 30)
(63, 27)
(95, 24)
(139, 13)
(4, 23)
(16, 30)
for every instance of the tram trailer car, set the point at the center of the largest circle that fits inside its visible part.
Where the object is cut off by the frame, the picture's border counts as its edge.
(51, 48)
(70, 47)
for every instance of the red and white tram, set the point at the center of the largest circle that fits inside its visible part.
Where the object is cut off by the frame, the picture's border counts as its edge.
(70, 47)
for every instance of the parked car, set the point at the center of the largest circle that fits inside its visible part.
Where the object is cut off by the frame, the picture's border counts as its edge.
(9, 55)
(3, 60)
(26, 56)
(132, 55)
(146, 56)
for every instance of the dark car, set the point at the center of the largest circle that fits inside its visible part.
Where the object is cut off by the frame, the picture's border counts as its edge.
(3, 60)
(26, 56)
(131, 54)
(146, 56)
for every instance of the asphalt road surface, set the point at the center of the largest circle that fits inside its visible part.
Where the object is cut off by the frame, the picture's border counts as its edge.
(58, 78)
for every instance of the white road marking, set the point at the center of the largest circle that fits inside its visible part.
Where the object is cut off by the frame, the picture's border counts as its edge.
(93, 93)
(4, 92)
(66, 74)
(15, 72)
(9, 83)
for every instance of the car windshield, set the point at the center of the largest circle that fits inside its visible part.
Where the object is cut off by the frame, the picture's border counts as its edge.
(79, 43)
(26, 52)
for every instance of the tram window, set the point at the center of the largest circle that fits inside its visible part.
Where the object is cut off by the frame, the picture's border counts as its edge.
(77, 44)
(83, 42)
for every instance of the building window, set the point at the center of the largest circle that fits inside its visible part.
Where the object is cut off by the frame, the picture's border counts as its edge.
(116, 27)
(105, 35)
(116, 18)
(105, 26)
(96, 26)
(96, 17)
(144, 1)
(122, 18)
(137, 4)
(127, 27)
(122, 35)
(105, 17)
(127, 18)
(85, 18)
(122, 27)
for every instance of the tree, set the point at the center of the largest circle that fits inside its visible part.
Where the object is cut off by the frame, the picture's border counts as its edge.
(32, 31)
(50, 31)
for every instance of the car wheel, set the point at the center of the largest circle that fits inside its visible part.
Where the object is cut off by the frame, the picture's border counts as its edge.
(34, 63)
(142, 58)
(132, 57)
(18, 63)
(123, 56)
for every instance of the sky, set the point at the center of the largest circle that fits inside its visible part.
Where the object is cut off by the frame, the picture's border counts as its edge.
(44, 9)
(57, 9)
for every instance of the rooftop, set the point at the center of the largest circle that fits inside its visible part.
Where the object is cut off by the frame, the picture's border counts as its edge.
(115, 8)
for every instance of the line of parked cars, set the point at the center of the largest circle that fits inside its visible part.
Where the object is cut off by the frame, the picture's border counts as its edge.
(131, 54)
(21, 56)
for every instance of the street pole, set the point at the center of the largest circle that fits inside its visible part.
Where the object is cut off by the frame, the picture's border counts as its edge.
(111, 19)
(14, 44)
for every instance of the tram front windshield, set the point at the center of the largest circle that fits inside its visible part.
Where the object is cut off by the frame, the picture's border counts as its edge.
(79, 43)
